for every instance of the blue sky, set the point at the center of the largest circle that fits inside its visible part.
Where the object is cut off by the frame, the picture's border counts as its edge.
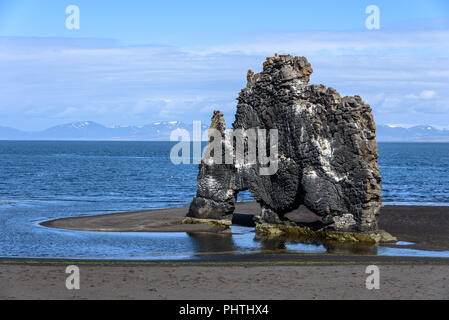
(137, 62)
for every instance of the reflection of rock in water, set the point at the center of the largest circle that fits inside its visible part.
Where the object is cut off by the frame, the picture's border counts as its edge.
(350, 248)
(280, 242)
(212, 242)
(332, 247)
(270, 243)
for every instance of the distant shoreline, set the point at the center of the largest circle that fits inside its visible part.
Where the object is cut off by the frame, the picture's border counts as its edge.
(151, 140)
(161, 131)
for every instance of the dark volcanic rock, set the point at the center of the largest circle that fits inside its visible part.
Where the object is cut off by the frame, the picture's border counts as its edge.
(327, 152)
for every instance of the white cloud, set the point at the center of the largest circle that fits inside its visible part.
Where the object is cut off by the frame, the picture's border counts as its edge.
(342, 42)
(50, 80)
(425, 94)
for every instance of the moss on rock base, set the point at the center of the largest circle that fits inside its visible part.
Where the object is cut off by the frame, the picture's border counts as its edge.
(273, 231)
(224, 224)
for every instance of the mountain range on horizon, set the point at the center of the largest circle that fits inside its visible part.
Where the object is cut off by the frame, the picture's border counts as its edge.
(161, 131)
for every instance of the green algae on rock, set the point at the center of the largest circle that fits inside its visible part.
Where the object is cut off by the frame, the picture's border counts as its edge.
(224, 223)
(300, 232)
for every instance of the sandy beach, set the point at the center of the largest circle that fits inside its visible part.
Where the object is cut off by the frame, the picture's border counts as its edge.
(263, 275)
(225, 282)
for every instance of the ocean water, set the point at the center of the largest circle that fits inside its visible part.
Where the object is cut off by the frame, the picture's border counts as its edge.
(415, 173)
(47, 180)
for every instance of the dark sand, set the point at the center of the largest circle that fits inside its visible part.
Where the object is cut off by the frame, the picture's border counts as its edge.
(260, 276)
(165, 220)
(427, 227)
(225, 282)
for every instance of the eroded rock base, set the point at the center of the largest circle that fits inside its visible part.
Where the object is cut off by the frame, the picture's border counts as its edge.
(292, 231)
(224, 224)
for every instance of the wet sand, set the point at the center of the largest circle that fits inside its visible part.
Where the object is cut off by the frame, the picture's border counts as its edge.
(427, 227)
(165, 220)
(260, 276)
(225, 282)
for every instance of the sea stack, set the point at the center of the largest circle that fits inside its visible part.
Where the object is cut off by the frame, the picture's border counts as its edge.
(326, 153)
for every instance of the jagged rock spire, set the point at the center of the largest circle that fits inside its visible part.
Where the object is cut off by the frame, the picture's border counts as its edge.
(327, 152)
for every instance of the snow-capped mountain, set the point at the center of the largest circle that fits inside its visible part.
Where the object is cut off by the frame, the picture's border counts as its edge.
(161, 131)
(422, 133)
(88, 130)
(83, 130)
(12, 134)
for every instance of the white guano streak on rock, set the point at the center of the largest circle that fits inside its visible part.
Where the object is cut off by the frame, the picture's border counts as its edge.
(326, 154)
(211, 183)
(323, 146)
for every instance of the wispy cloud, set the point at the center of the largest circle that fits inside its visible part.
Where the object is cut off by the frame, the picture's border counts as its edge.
(425, 94)
(403, 75)
(343, 42)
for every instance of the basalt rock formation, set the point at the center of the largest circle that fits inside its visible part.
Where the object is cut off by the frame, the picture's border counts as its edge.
(327, 153)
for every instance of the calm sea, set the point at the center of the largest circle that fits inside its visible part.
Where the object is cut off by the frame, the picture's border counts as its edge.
(47, 180)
